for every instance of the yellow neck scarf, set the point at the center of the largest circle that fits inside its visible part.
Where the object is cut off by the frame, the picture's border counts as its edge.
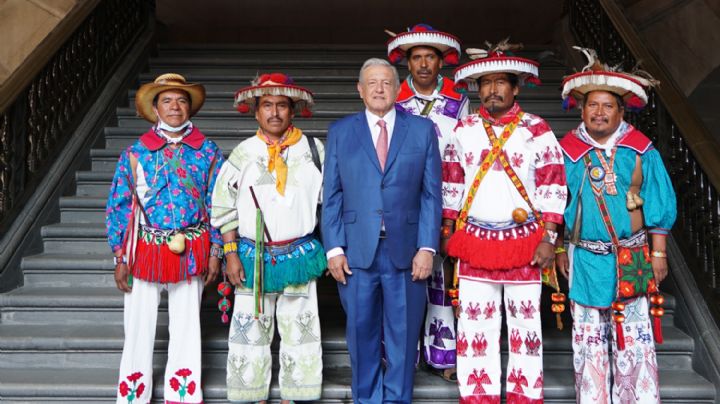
(275, 161)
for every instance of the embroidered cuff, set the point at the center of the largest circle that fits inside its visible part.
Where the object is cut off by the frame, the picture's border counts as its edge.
(552, 217)
(659, 231)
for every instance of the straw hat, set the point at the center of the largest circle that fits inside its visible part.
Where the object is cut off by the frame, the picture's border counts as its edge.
(274, 84)
(164, 82)
(423, 35)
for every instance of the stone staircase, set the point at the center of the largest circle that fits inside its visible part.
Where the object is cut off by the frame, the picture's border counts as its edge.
(61, 333)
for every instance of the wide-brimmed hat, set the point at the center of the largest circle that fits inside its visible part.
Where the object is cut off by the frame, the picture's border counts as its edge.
(497, 59)
(164, 82)
(274, 84)
(597, 76)
(423, 35)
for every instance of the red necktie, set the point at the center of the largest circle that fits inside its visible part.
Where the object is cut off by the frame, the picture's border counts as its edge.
(382, 144)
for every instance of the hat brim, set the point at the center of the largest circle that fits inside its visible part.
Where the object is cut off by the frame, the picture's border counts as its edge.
(521, 67)
(147, 93)
(434, 39)
(302, 98)
(624, 85)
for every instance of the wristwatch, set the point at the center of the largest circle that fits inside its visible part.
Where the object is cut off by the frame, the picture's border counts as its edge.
(119, 260)
(216, 252)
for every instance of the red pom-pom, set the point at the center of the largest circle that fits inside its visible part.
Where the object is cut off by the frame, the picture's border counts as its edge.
(421, 28)
(451, 57)
(569, 103)
(265, 77)
(224, 289)
(243, 108)
(634, 103)
(224, 304)
(461, 87)
(532, 81)
(306, 113)
(396, 55)
(278, 78)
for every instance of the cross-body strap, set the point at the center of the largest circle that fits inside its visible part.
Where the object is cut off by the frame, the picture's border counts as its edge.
(513, 176)
(314, 152)
(602, 206)
(495, 151)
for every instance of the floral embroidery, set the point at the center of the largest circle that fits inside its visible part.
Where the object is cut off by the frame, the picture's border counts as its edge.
(185, 387)
(137, 389)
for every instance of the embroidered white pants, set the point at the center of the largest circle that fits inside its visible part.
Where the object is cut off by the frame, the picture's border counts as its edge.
(183, 370)
(478, 342)
(249, 361)
(634, 369)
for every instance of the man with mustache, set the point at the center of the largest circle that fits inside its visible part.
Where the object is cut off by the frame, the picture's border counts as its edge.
(503, 197)
(621, 199)
(158, 226)
(428, 94)
(276, 172)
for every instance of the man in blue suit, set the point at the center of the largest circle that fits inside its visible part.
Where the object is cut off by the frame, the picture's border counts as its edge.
(381, 226)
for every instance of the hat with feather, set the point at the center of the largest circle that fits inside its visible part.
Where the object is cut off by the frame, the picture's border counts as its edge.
(599, 76)
(499, 58)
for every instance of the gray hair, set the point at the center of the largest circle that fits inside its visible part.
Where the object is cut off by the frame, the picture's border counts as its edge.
(379, 62)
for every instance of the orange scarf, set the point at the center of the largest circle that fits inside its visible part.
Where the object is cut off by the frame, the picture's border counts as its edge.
(275, 161)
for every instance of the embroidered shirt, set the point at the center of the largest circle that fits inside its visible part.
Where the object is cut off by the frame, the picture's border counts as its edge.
(448, 106)
(532, 151)
(593, 280)
(286, 217)
(173, 185)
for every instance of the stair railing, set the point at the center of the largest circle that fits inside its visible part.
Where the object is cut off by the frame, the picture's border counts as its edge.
(38, 118)
(689, 150)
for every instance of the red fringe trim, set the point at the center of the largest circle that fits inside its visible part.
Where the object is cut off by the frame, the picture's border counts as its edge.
(156, 263)
(494, 254)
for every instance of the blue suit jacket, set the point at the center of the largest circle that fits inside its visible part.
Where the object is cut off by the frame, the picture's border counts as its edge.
(358, 195)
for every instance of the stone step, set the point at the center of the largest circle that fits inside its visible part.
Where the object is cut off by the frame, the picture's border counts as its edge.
(92, 345)
(82, 209)
(58, 385)
(81, 299)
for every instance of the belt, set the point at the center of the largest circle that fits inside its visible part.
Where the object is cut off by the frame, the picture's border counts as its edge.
(637, 239)
(279, 247)
(202, 226)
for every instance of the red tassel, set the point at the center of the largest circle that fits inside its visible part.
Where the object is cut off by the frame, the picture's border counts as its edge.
(494, 254)
(461, 87)
(657, 329)
(225, 318)
(306, 113)
(620, 336)
(243, 108)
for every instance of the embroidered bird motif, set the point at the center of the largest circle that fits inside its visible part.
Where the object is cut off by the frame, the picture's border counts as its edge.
(479, 345)
(461, 345)
(518, 379)
(439, 331)
(478, 379)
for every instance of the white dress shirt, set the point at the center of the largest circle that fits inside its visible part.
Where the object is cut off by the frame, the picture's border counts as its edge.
(372, 121)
